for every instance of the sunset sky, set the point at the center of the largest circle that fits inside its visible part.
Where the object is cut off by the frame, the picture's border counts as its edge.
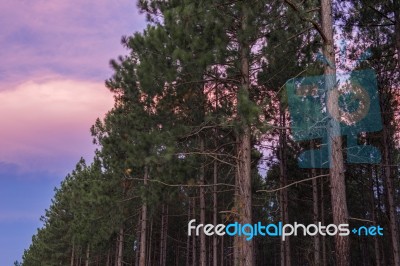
(54, 60)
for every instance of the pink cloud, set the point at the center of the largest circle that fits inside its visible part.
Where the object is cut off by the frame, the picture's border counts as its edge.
(74, 38)
(46, 121)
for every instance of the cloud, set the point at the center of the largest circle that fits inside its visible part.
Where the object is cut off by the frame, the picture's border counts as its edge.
(46, 123)
(69, 37)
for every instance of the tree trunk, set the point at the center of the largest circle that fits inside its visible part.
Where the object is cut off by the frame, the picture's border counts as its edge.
(162, 236)
(137, 253)
(215, 214)
(317, 261)
(203, 250)
(244, 208)
(108, 258)
(396, 7)
(72, 254)
(323, 244)
(165, 237)
(120, 246)
(390, 198)
(194, 256)
(143, 230)
(285, 245)
(337, 178)
(149, 245)
(316, 238)
(87, 255)
(188, 237)
(373, 214)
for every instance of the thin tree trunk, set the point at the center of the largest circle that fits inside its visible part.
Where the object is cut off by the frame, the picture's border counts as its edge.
(390, 199)
(203, 250)
(87, 255)
(188, 237)
(396, 7)
(246, 248)
(215, 214)
(337, 178)
(162, 236)
(137, 253)
(165, 237)
(72, 254)
(222, 251)
(317, 261)
(285, 245)
(316, 238)
(108, 258)
(323, 244)
(120, 246)
(143, 231)
(374, 218)
(236, 250)
(149, 245)
(194, 256)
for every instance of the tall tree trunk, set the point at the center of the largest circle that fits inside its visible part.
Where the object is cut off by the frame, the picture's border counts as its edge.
(188, 237)
(316, 238)
(203, 250)
(73, 254)
(246, 249)
(323, 244)
(317, 260)
(120, 246)
(374, 217)
(162, 236)
(396, 8)
(108, 258)
(222, 258)
(194, 255)
(165, 237)
(150, 245)
(137, 251)
(215, 214)
(143, 230)
(87, 255)
(285, 245)
(337, 178)
(390, 197)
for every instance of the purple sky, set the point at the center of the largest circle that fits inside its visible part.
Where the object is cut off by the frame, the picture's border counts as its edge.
(54, 60)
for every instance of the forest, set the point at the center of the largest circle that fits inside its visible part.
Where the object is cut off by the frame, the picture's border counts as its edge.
(240, 112)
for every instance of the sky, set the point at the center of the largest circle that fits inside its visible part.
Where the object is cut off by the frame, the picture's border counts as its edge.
(54, 60)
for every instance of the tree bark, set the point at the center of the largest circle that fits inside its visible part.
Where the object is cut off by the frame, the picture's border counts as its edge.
(162, 236)
(143, 230)
(194, 255)
(72, 254)
(373, 214)
(390, 198)
(215, 214)
(316, 238)
(203, 250)
(396, 5)
(149, 245)
(244, 208)
(323, 244)
(285, 245)
(337, 178)
(188, 237)
(120, 246)
(87, 255)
